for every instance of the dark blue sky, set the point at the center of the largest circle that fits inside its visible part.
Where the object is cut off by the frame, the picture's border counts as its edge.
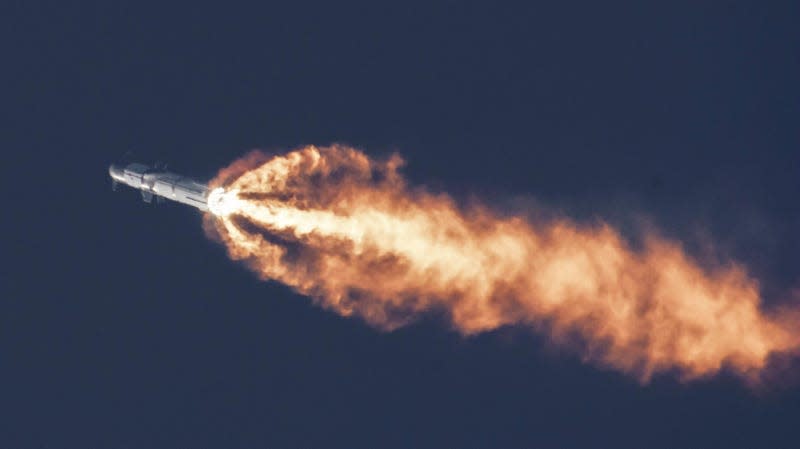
(124, 327)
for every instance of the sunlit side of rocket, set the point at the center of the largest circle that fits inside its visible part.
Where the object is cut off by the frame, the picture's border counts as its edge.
(154, 181)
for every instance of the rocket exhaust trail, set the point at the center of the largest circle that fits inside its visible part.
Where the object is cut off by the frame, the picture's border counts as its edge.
(348, 231)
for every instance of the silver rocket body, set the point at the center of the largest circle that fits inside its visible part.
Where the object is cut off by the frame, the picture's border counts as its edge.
(158, 183)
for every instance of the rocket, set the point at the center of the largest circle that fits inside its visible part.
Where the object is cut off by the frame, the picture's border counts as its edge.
(156, 181)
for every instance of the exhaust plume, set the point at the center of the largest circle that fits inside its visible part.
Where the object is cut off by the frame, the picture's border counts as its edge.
(347, 230)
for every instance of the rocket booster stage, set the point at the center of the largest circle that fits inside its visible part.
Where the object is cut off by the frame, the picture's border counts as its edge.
(156, 181)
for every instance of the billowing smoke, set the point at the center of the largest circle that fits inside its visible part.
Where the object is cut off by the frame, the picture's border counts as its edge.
(348, 231)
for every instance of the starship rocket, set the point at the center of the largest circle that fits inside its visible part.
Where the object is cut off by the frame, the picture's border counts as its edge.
(156, 182)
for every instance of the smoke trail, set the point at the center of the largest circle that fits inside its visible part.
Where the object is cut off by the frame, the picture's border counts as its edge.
(348, 231)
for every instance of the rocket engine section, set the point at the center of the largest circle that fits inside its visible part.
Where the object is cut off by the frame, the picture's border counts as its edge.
(154, 181)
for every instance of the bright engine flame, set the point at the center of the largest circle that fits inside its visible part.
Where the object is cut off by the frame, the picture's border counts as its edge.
(346, 230)
(223, 203)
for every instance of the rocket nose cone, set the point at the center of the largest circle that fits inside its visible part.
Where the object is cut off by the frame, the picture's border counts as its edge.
(116, 172)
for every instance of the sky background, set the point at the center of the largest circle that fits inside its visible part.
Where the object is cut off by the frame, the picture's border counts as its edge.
(123, 326)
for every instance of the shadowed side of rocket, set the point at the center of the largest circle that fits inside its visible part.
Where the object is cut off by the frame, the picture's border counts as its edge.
(156, 182)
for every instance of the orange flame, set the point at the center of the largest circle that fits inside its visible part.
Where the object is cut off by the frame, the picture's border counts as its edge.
(346, 230)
